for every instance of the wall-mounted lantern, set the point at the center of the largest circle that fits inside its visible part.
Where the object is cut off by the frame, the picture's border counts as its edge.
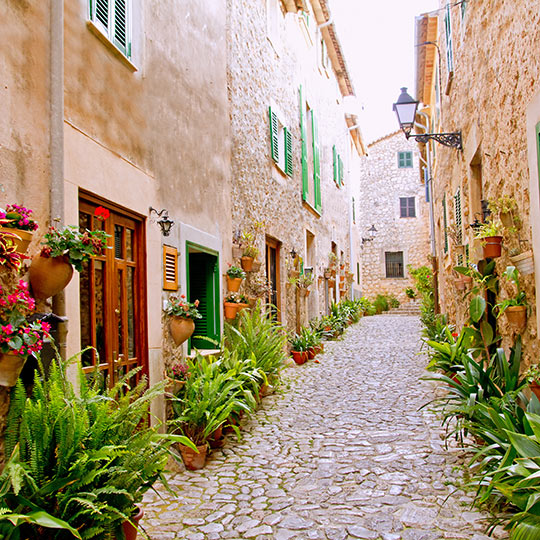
(165, 222)
(372, 231)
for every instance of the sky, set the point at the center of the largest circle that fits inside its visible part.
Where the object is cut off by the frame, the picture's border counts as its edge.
(377, 37)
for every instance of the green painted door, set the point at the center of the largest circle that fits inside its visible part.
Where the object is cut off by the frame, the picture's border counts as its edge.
(203, 285)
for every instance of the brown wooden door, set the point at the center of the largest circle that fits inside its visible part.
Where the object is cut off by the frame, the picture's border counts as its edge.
(113, 293)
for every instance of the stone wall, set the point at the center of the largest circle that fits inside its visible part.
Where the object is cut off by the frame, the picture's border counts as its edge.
(382, 184)
(266, 71)
(494, 80)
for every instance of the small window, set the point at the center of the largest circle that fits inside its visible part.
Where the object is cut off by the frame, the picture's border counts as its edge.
(449, 41)
(112, 17)
(407, 207)
(405, 160)
(280, 143)
(394, 264)
(324, 60)
(170, 268)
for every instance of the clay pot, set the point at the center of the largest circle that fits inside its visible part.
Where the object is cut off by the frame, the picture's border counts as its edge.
(23, 240)
(319, 349)
(517, 316)
(300, 357)
(460, 284)
(524, 262)
(10, 368)
(535, 388)
(304, 292)
(231, 309)
(181, 329)
(331, 283)
(193, 460)
(311, 353)
(233, 284)
(492, 247)
(247, 263)
(242, 306)
(173, 386)
(217, 439)
(256, 266)
(237, 252)
(49, 275)
(130, 531)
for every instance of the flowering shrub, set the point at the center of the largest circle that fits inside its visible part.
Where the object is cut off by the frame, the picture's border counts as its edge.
(76, 245)
(17, 217)
(17, 335)
(180, 307)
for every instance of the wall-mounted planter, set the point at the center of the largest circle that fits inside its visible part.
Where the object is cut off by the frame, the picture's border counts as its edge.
(517, 316)
(23, 240)
(524, 262)
(247, 263)
(231, 308)
(256, 266)
(49, 275)
(492, 246)
(181, 329)
(10, 368)
(233, 284)
(303, 291)
(237, 252)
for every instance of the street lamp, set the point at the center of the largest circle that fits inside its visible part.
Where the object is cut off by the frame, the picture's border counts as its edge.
(405, 109)
(372, 231)
(165, 222)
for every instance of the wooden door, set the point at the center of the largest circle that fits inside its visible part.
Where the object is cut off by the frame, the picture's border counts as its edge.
(113, 295)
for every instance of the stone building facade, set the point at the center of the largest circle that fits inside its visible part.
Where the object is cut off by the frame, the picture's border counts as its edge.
(394, 202)
(488, 89)
(283, 65)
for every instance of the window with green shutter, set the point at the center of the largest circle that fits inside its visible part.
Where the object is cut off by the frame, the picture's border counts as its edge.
(405, 160)
(459, 217)
(353, 211)
(303, 133)
(449, 44)
(338, 167)
(341, 169)
(445, 225)
(316, 163)
(280, 143)
(112, 17)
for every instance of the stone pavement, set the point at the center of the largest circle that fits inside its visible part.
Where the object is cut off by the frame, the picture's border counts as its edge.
(340, 452)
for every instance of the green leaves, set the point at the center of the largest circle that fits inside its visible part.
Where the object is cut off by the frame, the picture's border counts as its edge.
(477, 308)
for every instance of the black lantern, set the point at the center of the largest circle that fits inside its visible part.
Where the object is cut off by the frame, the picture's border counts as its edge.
(405, 108)
(165, 222)
(372, 231)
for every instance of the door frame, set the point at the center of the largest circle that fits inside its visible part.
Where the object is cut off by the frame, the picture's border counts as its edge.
(274, 243)
(141, 283)
(217, 315)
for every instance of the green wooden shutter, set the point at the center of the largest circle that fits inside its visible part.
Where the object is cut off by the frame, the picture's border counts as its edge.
(445, 225)
(353, 210)
(305, 185)
(334, 153)
(316, 163)
(449, 45)
(340, 179)
(120, 34)
(288, 152)
(99, 13)
(274, 140)
(459, 218)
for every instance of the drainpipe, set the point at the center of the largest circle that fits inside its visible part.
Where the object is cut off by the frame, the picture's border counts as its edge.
(327, 23)
(429, 181)
(56, 112)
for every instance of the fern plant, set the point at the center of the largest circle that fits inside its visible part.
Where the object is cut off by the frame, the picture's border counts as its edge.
(81, 458)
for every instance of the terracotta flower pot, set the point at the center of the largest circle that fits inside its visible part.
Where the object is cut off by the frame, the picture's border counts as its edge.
(304, 292)
(193, 460)
(217, 439)
(524, 262)
(247, 263)
(49, 275)
(231, 309)
(181, 329)
(492, 247)
(10, 368)
(173, 386)
(21, 243)
(517, 316)
(242, 306)
(130, 531)
(233, 284)
(237, 252)
(311, 353)
(256, 266)
(331, 283)
(300, 357)
(535, 388)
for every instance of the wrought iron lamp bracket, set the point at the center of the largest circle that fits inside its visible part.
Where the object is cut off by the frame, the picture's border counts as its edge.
(453, 140)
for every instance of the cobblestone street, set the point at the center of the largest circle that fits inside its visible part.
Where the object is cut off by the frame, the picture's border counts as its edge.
(341, 451)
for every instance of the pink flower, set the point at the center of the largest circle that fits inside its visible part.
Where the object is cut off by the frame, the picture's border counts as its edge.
(196, 303)
(7, 329)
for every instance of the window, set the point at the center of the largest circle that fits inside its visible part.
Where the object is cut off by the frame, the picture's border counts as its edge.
(449, 45)
(407, 207)
(324, 61)
(353, 210)
(394, 264)
(311, 164)
(459, 217)
(111, 17)
(280, 143)
(445, 224)
(338, 167)
(405, 160)
(170, 268)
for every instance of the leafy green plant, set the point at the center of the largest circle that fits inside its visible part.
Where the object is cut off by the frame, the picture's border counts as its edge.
(381, 303)
(393, 302)
(520, 298)
(82, 456)
(298, 342)
(235, 272)
(410, 292)
(180, 307)
(367, 306)
(488, 229)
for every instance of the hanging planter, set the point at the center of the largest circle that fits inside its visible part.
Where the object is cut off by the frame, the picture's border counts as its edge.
(256, 266)
(535, 388)
(237, 252)
(331, 283)
(22, 239)
(492, 246)
(181, 329)
(130, 528)
(193, 460)
(233, 284)
(49, 275)
(10, 368)
(524, 262)
(17, 220)
(517, 316)
(247, 263)
(231, 309)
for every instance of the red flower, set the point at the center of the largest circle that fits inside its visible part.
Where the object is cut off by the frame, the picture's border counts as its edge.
(102, 213)
(455, 334)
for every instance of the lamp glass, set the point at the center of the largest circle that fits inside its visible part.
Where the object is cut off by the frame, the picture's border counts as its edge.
(372, 231)
(405, 109)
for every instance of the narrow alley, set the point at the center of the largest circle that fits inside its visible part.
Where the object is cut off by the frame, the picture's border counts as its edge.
(341, 451)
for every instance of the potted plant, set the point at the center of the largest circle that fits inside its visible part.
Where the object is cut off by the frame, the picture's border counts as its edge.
(16, 219)
(532, 376)
(63, 250)
(299, 348)
(410, 293)
(243, 302)
(176, 376)
(522, 260)
(250, 251)
(235, 275)
(19, 338)
(332, 263)
(231, 305)
(515, 307)
(10, 258)
(490, 234)
(182, 317)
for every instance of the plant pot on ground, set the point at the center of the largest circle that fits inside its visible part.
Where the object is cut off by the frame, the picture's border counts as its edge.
(130, 528)
(194, 460)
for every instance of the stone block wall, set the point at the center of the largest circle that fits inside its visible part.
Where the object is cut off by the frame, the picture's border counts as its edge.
(494, 80)
(382, 184)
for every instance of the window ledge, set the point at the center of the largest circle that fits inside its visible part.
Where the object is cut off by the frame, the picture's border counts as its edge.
(107, 42)
(308, 206)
